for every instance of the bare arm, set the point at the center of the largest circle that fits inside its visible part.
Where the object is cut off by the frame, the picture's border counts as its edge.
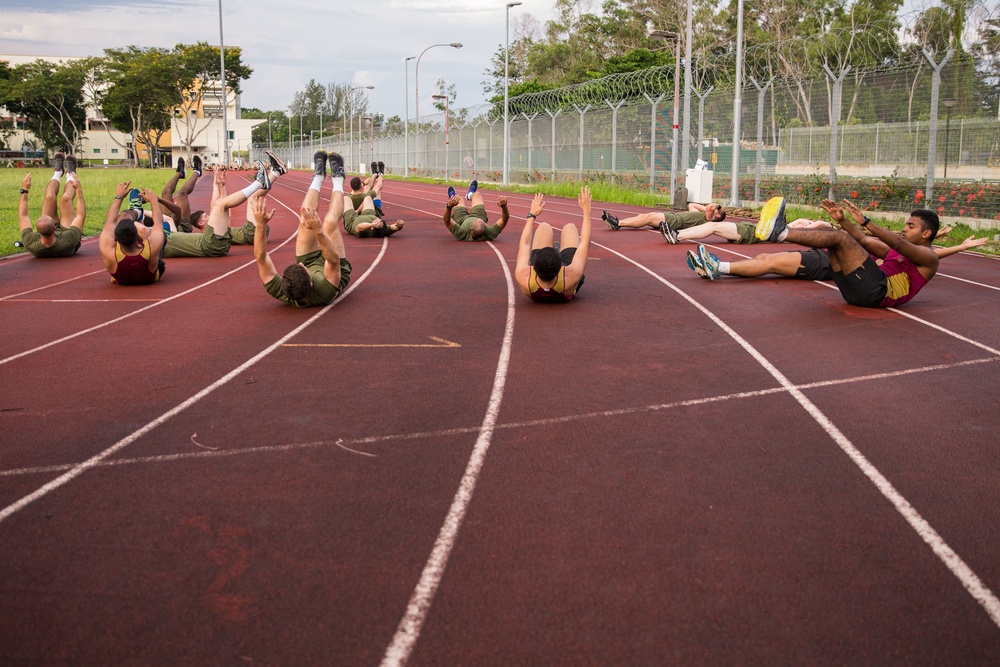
(873, 246)
(107, 241)
(522, 269)
(22, 204)
(156, 237)
(452, 203)
(504, 213)
(971, 242)
(258, 208)
(574, 272)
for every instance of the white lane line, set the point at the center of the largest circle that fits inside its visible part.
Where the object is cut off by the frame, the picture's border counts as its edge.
(61, 282)
(969, 579)
(93, 461)
(442, 433)
(153, 305)
(83, 300)
(399, 650)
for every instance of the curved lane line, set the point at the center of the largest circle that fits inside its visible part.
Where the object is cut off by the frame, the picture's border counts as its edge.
(129, 439)
(402, 644)
(969, 579)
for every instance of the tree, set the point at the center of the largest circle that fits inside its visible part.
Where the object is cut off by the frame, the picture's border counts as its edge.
(137, 94)
(199, 80)
(444, 88)
(50, 97)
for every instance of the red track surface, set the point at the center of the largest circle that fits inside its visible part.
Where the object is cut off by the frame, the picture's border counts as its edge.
(664, 471)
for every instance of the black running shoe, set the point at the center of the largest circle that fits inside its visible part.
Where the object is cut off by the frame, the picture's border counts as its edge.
(319, 162)
(669, 235)
(180, 167)
(381, 167)
(374, 167)
(57, 161)
(161, 266)
(196, 165)
(611, 220)
(336, 162)
(70, 164)
(276, 164)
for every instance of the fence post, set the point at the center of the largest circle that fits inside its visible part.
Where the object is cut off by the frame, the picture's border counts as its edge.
(835, 122)
(530, 147)
(553, 117)
(932, 137)
(491, 144)
(614, 133)
(583, 114)
(760, 132)
(652, 138)
(701, 117)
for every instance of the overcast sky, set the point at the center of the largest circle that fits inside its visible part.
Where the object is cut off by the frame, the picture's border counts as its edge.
(288, 42)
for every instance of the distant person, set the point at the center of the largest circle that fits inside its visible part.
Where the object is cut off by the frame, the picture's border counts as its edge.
(55, 234)
(470, 223)
(547, 271)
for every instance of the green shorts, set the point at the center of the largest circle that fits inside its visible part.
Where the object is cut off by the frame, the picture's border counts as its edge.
(323, 291)
(746, 232)
(352, 219)
(684, 219)
(202, 244)
(244, 235)
(66, 245)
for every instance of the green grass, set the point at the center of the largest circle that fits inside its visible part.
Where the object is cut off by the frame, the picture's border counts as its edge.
(98, 188)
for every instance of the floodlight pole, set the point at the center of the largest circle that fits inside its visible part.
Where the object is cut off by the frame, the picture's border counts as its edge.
(225, 105)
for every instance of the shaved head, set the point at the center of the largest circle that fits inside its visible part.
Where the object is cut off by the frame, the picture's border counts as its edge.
(478, 229)
(46, 226)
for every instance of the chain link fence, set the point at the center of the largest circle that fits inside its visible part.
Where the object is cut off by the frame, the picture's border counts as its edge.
(924, 137)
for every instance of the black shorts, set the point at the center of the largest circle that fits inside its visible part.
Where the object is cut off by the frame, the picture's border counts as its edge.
(566, 256)
(865, 286)
(814, 265)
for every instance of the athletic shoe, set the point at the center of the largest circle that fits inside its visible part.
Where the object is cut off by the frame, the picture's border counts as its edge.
(196, 165)
(611, 220)
(473, 186)
(451, 192)
(180, 167)
(57, 162)
(70, 164)
(336, 162)
(374, 166)
(694, 263)
(669, 235)
(262, 177)
(277, 165)
(319, 164)
(772, 220)
(161, 266)
(135, 199)
(381, 167)
(709, 262)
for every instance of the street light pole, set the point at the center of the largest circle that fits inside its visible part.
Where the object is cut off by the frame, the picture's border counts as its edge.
(506, 84)
(686, 148)
(350, 90)
(222, 72)
(406, 118)
(446, 142)
(416, 88)
(665, 35)
(734, 190)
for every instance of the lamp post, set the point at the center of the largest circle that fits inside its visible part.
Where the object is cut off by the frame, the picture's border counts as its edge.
(416, 84)
(948, 104)
(222, 72)
(734, 188)
(506, 83)
(665, 35)
(291, 144)
(270, 146)
(371, 136)
(406, 117)
(686, 141)
(446, 142)
(301, 141)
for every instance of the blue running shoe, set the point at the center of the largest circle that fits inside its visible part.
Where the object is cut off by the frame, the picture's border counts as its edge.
(135, 199)
(451, 191)
(473, 186)
(709, 262)
(694, 263)
(262, 177)
(669, 235)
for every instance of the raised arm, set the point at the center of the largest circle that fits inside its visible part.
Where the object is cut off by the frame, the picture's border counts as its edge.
(107, 241)
(574, 272)
(156, 237)
(81, 206)
(971, 242)
(522, 269)
(258, 208)
(452, 203)
(873, 246)
(22, 204)
(504, 213)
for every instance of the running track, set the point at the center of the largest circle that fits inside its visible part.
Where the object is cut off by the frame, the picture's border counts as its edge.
(436, 471)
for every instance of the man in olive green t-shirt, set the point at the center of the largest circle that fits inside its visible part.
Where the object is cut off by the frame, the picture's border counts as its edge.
(468, 222)
(55, 233)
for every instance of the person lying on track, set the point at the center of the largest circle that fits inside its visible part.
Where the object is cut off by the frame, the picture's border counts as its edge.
(469, 223)
(544, 272)
(131, 251)
(55, 234)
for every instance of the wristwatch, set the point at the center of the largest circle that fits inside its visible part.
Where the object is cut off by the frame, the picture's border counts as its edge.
(531, 215)
(866, 221)
(23, 191)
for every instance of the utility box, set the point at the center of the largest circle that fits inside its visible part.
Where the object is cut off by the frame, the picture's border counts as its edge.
(699, 185)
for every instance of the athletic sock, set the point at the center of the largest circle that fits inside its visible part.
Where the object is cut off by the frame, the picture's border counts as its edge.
(250, 189)
(468, 195)
(783, 235)
(317, 183)
(56, 175)
(338, 183)
(377, 203)
(70, 177)
(723, 267)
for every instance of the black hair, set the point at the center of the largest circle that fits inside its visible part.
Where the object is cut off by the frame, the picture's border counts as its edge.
(929, 220)
(196, 216)
(296, 282)
(125, 232)
(355, 183)
(546, 263)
